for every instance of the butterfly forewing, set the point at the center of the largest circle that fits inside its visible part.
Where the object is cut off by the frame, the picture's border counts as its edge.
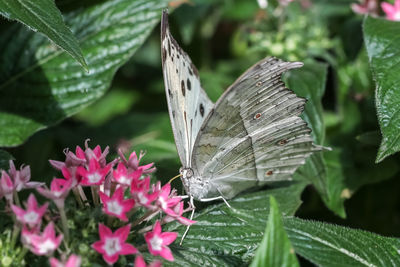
(188, 104)
(254, 134)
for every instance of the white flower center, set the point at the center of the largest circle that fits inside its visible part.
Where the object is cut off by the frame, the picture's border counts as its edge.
(397, 15)
(156, 243)
(94, 177)
(142, 198)
(31, 217)
(163, 203)
(114, 207)
(124, 180)
(112, 246)
(47, 246)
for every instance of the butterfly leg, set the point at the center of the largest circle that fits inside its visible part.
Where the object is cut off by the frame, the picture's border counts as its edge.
(215, 198)
(191, 218)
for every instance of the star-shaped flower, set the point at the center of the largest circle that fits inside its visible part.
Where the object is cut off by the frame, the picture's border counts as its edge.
(47, 242)
(123, 177)
(158, 242)
(95, 175)
(116, 205)
(178, 209)
(392, 11)
(111, 245)
(22, 177)
(140, 192)
(59, 189)
(166, 200)
(6, 187)
(73, 261)
(134, 160)
(32, 216)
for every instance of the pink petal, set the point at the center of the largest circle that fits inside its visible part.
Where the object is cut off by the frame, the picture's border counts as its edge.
(19, 212)
(388, 8)
(157, 228)
(128, 204)
(32, 203)
(127, 249)
(139, 261)
(73, 261)
(79, 152)
(118, 194)
(110, 259)
(168, 237)
(55, 263)
(49, 231)
(166, 254)
(103, 197)
(104, 231)
(123, 232)
(397, 5)
(98, 246)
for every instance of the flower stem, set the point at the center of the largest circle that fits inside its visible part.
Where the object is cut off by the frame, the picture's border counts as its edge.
(16, 230)
(144, 217)
(16, 198)
(64, 223)
(77, 197)
(95, 195)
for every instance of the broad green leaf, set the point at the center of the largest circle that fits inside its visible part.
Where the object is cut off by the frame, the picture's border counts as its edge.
(4, 159)
(309, 82)
(331, 245)
(43, 16)
(226, 236)
(40, 85)
(381, 40)
(275, 249)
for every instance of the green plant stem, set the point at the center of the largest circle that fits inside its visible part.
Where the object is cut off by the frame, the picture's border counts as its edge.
(144, 217)
(95, 195)
(15, 233)
(16, 198)
(21, 255)
(64, 223)
(77, 197)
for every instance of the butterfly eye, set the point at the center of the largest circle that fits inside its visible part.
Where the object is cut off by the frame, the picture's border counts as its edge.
(258, 84)
(269, 173)
(257, 116)
(282, 142)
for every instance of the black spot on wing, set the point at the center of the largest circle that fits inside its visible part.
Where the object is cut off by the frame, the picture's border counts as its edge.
(188, 85)
(201, 109)
(169, 48)
(177, 71)
(164, 55)
(190, 72)
(169, 93)
(183, 88)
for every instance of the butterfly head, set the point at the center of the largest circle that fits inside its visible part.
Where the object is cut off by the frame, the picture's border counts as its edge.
(194, 185)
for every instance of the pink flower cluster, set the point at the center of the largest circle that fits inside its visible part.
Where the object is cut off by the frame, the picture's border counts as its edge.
(371, 7)
(121, 187)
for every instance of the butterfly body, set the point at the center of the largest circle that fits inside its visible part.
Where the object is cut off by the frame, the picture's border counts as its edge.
(253, 134)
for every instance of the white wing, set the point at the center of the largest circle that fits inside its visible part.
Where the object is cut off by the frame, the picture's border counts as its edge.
(254, 135)
(188, 104)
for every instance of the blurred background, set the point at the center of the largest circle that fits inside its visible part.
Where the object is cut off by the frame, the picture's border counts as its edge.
(224, 38)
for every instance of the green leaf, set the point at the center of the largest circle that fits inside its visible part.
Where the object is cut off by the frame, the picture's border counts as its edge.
(326, 176)
(226, 236)
(381, 40)
(331, 245)
(275, 248)
(43, 16)
(5, 157)
(41, 85)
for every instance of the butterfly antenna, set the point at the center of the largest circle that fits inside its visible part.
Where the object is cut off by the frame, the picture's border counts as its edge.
(173, 178)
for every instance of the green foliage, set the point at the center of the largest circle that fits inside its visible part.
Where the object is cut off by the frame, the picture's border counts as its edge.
(379, 44)
(43, 16)
(275, 248)
(350, 80)
(47, 85)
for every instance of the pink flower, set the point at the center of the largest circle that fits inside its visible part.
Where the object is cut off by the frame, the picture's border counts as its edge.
(392, 11)
(158, 242)
(27, 233)
(6, 186)
(140, 192)
(133, 162)
(366, 7)
(166, 200)
(32, 216)
(178, 210)
(22, 177)
(95, 175)
(123, 177)
(46, 243)
(111, 245)
(139, 262)
(116, 205)
(73, 261)
(59, 189)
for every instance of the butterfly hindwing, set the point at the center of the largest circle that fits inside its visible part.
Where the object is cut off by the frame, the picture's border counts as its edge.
(254, 134)
(188, 104)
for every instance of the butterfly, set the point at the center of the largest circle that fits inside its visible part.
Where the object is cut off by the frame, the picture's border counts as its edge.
(253, 135)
